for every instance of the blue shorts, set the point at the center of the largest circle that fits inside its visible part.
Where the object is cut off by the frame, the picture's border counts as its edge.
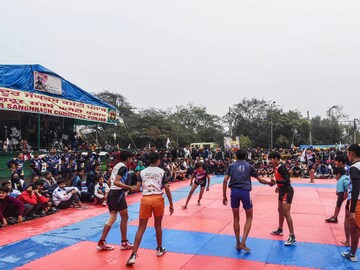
(240, 195)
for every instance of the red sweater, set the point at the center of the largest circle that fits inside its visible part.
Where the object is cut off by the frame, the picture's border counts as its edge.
(26, 197)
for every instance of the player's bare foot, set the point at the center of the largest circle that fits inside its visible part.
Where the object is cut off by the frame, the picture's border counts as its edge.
(345, 243)
(243, 247)
(183, 207)
(199, 203)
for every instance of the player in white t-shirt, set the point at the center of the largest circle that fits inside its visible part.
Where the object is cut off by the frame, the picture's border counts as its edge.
(117, 203)
(152, 180)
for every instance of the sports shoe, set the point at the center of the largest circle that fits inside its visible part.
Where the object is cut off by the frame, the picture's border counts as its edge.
(103, 246)
(332, 220)
(125, 245)
(277, 232)
(160, 251)
(104, 203)
(291, 240)
(132, 259)
(349, 256)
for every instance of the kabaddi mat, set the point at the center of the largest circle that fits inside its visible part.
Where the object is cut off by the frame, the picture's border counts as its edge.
(200, 236)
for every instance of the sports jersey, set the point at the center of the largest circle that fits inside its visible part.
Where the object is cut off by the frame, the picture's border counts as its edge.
(355, 185)
(200, 175)
(282, 176)
(119, 169)
(152, 179)
(240, 172)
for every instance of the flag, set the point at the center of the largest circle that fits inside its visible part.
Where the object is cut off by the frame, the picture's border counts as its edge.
(302, 158)
(168, 143)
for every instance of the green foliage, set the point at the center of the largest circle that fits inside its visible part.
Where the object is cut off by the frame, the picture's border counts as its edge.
(192, 123)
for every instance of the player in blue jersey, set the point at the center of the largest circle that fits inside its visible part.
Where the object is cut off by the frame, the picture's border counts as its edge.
(239, 173)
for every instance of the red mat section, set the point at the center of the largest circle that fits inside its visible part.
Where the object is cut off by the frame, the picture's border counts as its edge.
(216, 263)
(85, 256)
(62, 218)
(88, 258)
(309, 209)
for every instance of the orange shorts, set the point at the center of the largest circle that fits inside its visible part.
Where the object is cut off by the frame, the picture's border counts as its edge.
(357, 213)
(152, 204)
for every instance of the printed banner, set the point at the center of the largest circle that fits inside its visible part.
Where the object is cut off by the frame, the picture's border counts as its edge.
(46, 83)
(16, 100)
(230, 143)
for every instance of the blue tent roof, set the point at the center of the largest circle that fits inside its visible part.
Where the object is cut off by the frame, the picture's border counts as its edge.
(21, 77)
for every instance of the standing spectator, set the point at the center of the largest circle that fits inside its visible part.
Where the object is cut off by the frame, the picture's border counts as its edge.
(53, 161)
(36, 165)
(16, 165)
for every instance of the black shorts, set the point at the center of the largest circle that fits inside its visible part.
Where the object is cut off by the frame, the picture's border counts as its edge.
(286, 194)
(340, 199)
(116, 200)
(201, 184)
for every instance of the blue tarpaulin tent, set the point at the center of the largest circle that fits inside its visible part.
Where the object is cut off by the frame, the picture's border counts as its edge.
(36, 89)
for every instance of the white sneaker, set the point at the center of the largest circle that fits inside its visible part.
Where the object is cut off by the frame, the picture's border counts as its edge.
(349, 256)
(160, 251)
(132, 259)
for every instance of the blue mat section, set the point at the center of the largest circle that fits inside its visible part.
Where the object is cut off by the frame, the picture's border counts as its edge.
(302, 254)
(20, 253)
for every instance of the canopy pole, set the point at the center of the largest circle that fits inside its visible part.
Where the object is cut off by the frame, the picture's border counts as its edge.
(38, 135)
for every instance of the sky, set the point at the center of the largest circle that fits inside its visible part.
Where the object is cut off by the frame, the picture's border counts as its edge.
(303, 55)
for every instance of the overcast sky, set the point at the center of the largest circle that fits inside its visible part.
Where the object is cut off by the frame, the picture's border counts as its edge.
(304, 55)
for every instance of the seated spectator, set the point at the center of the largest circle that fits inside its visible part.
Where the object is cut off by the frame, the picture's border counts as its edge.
(50, 182)
(65, 197)
(11, 209)
(90, 180)
(17, 183)
(34, 179)
(322, 171)
(47, 207)
(296, 170)
(132, 179)
(101, 191)
(107, 175)
(12, 192)
(30, 199)
(81, 185)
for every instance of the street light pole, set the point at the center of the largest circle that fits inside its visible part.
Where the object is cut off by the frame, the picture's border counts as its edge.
(271, 126)
(355, 129)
